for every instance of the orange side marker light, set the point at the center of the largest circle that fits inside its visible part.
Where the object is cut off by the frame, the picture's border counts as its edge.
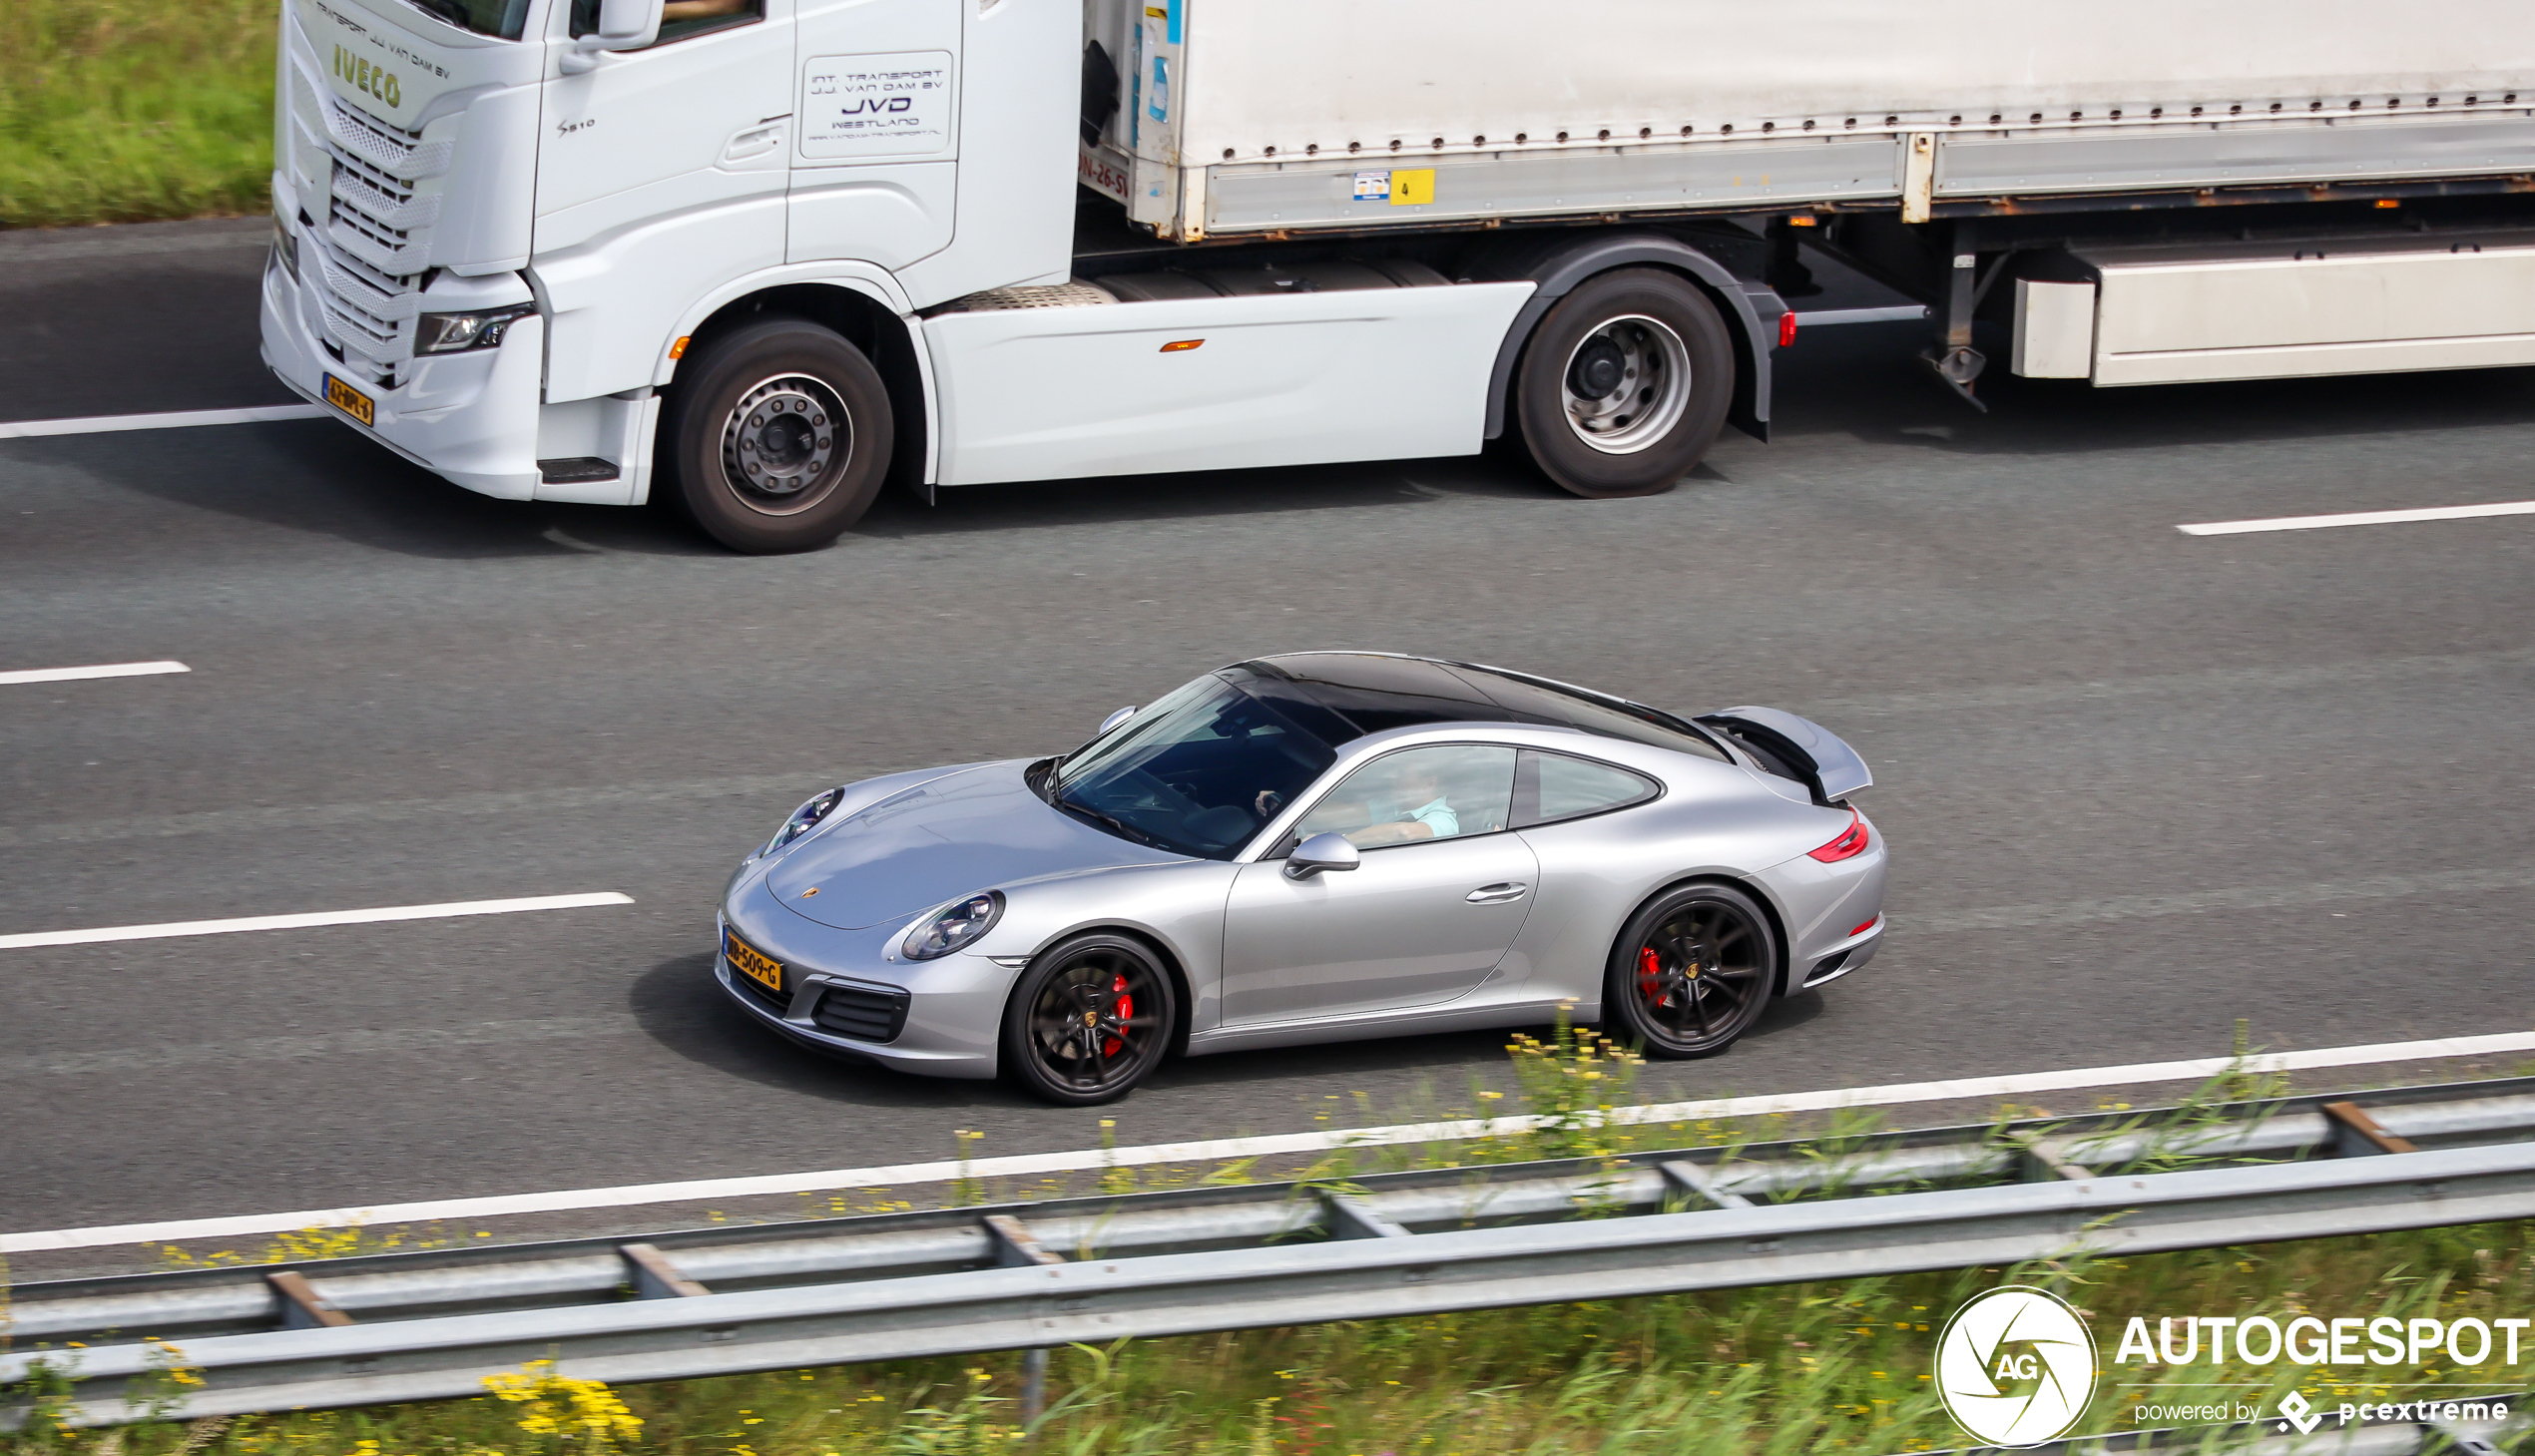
(678, 350)
(1181, 346)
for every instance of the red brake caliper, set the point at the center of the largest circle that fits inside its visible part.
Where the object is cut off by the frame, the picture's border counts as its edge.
(1649, 974)
(1125, 1009)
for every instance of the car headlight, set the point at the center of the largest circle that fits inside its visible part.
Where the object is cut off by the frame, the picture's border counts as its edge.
(805, 818)
(959, 924)
(455, 333)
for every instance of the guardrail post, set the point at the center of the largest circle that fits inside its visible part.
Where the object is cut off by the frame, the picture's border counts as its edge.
(655, 1277)
(2043, 1158)
(301, 1306)
(1692, 1181)
(1351, 1218)
(1017, 1248)
(2356, 1135)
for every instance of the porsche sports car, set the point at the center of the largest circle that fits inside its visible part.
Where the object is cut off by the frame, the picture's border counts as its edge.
(1313, 847)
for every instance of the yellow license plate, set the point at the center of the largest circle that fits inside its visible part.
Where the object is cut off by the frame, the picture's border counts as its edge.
(351, 402)
(744, 959)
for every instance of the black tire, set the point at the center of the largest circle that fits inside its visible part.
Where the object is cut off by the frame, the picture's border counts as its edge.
(1657, 343)
(1692, 972)
(1067, 1037)
(812, 401)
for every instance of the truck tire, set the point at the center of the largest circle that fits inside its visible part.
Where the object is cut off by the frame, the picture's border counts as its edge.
(777, 437)
(1624, 383)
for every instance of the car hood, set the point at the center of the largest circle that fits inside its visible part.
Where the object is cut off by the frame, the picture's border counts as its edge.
(954, 835)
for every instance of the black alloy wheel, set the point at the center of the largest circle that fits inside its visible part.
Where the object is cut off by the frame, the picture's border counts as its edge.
(1089, 1020)
(1624, 384)
(1692, 972)
(776, 437)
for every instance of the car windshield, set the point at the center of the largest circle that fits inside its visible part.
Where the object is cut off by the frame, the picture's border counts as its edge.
(485, 17)
(1197, 773)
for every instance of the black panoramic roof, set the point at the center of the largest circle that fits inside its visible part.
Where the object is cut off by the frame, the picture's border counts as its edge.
(1342, 696)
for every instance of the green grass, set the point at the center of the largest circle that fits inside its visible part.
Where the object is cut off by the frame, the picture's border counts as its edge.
(122, 110)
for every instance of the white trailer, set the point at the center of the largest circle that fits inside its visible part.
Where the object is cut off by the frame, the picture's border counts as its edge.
(756, 258)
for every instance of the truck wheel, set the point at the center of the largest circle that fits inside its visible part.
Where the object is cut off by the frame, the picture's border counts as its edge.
(1624, 384)
(777, 437)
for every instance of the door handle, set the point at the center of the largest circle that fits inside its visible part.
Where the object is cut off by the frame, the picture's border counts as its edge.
(754, 142)
(1502, 892)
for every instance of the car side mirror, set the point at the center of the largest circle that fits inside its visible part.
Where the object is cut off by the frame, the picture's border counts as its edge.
(1114, 720)
(1320, 853)
(624, 25)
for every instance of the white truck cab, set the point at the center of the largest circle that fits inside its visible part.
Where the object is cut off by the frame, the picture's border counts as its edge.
(757, 258)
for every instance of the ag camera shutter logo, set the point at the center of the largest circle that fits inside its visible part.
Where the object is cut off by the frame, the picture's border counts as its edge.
(2015, 1367)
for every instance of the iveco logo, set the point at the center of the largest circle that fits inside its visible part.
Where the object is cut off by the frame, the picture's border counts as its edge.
(368, 79)
(2015, 1367)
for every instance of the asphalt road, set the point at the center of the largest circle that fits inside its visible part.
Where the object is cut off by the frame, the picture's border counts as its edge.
(2138, 784)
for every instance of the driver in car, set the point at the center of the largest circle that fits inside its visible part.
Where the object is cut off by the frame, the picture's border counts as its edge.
(1416, 809)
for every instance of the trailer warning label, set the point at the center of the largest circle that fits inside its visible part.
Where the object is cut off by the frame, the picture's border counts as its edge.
(896, 105)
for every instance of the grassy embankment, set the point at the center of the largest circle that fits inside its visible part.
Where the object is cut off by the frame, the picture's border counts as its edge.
(122, 110)
(1814, 1368)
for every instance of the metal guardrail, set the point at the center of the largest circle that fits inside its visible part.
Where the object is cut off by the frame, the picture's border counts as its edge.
(432, 1325)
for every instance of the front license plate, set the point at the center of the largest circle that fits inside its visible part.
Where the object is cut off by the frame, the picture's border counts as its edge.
(765, 970)
(351, 402)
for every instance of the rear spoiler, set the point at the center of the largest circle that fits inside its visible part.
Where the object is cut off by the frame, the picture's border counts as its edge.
(1794, 747)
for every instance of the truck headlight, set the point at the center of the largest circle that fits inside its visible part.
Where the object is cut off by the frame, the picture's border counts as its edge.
(286, 247)
(455, 333)
(957, 924)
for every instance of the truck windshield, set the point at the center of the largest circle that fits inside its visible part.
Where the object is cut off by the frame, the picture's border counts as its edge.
(485, 17)
(1197, 773)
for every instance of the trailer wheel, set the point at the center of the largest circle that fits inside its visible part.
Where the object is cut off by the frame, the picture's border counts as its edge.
(777, 437)
(1624, 384)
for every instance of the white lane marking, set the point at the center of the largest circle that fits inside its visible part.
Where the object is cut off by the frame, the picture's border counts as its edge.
(1022, 1165)
(103, 669)
(401, 1041)
(446, 911)
(100, 424)
(2360, 518)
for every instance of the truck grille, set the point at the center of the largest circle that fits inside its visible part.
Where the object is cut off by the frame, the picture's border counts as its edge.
(865, 1013)
(375, 240)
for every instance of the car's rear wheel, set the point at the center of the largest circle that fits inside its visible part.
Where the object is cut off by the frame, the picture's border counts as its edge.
(1088, 1020)
(1692, 972)
(777, 437)
(1624, 384)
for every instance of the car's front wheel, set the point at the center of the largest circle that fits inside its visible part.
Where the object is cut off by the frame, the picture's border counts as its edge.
(1692, 972)
(1088, 1020)
(777, 437)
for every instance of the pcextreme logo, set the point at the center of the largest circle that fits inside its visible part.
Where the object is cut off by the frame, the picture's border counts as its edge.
(2015, 1366)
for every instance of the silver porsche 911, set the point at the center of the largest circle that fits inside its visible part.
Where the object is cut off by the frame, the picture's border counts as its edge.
(1313, 847)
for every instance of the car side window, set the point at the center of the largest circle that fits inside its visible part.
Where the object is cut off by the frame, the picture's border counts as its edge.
(1553, 786)
(678, 19)
(1445, 792)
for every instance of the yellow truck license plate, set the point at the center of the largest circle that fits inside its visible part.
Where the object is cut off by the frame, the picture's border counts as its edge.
(351, 402)
(747, 962)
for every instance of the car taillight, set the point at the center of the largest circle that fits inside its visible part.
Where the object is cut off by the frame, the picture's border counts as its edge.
(1850, 843)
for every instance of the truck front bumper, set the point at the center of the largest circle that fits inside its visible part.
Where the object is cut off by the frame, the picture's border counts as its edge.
(469, 419)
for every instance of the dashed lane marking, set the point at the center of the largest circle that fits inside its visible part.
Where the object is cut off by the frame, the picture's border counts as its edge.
(101, 669)
(310, 919)
(903, 1174)
(2360, 518)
